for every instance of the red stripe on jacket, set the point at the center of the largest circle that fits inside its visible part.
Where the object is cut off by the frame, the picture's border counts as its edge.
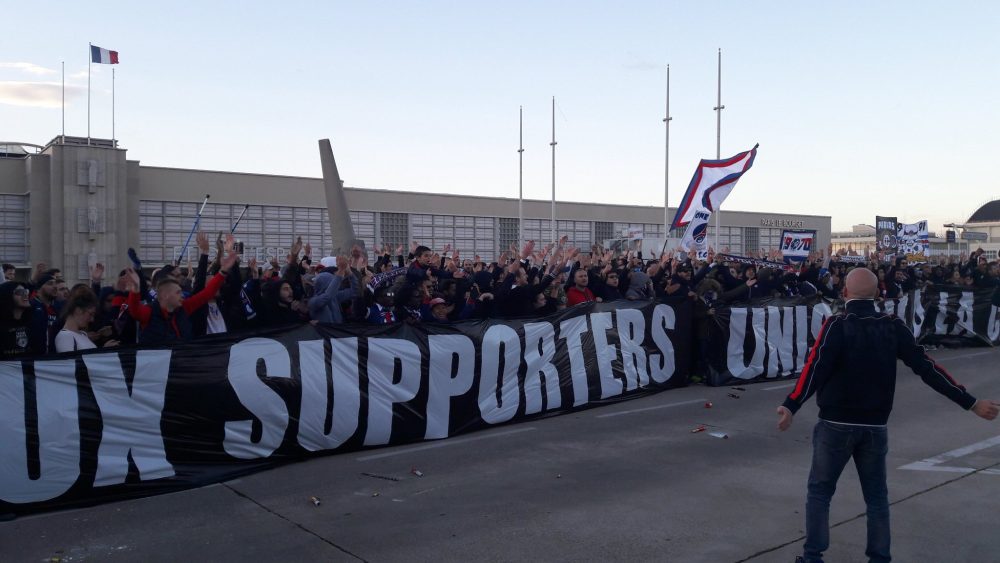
(800, 386)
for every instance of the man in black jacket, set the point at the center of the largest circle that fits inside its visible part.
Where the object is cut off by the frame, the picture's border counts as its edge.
(852, 369)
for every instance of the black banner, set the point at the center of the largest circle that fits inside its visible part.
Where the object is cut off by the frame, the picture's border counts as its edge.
(770, 338)
(885, 235)
(951, 315)
(765, 339)
(100, 425)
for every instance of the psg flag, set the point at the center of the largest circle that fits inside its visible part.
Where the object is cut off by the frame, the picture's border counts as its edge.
(711, 184)
(696, 234)
(103, 56)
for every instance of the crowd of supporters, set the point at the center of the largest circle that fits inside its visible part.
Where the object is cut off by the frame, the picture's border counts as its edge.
(225, 294)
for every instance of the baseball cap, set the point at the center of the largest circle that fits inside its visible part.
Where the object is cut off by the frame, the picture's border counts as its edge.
(328, 262)
(44, 279)
(437, 301)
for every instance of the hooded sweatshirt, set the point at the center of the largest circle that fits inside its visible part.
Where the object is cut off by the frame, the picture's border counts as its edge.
(272, 311)
(640, 287)
(325, 304)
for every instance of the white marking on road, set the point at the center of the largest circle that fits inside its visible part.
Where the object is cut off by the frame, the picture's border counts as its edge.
(785, 386)
(963, 356)
(934, 463)
(610, 414)
(444, 443)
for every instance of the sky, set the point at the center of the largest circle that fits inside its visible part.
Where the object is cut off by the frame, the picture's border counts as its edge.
(860, 108)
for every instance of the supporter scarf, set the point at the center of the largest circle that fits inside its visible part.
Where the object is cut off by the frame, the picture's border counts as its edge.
(756, 262)
(385, 278)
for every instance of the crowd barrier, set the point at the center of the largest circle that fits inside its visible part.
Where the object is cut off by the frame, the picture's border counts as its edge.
(100, 425)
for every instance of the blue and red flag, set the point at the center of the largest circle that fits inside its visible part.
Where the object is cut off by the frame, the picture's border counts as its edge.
(711, 184)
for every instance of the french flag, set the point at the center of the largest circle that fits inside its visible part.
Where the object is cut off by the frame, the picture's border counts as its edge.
(103, 56)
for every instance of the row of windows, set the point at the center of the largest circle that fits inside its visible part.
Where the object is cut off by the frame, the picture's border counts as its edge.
(14, 228)
(164, 226)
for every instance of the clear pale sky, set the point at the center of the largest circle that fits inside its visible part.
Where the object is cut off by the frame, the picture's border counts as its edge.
(860, 108)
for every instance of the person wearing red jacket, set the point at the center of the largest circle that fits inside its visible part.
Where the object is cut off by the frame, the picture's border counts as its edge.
(168, 318)
(580, 293)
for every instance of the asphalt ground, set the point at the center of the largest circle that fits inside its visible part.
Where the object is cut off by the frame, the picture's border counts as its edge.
(623, 482)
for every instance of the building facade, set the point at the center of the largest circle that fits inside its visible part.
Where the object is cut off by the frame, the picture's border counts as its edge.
(71, 204)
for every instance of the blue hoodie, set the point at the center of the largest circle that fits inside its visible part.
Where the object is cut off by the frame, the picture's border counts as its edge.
(324, 306)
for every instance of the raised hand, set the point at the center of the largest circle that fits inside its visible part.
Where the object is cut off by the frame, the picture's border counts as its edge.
(97, 272)
(529, 247)
(229, 244)
(228, 261)
(131, 281)
(309, 250)
(201, 240)
(342, 265)
(252, 268)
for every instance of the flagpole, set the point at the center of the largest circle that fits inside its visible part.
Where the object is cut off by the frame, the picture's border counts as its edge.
(666, 165)
(718, 143)
(520, 177)
(552, 223)
(113, 142)
(90, 58)
(63, 102)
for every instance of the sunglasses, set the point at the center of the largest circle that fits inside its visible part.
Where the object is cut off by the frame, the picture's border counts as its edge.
(21, 292)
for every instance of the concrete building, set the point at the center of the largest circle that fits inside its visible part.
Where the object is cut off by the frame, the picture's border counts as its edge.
(983, 229)
(71, 204)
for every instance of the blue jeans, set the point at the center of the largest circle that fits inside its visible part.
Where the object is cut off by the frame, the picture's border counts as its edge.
(833, 446)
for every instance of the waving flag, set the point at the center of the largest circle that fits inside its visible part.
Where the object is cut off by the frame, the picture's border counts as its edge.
(103, 56)
(711, 184)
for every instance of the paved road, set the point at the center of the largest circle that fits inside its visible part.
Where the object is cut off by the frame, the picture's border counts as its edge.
(625, 482)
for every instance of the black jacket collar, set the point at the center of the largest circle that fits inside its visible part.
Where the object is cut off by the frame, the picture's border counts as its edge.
(861, 307)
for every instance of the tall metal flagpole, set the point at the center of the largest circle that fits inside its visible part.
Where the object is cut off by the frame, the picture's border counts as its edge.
(718, 142)
(552, 223)
(666, 165)
(64, 101)
(114, 143)
(520, 177)
(90, 58)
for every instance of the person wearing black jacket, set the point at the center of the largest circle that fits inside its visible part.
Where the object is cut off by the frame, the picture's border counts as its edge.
(15, 320)
(277, 304)
(515, 297)
(609, 289)
(852, 370)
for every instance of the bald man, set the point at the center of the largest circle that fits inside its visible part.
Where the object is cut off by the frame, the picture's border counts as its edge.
(852, 370)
